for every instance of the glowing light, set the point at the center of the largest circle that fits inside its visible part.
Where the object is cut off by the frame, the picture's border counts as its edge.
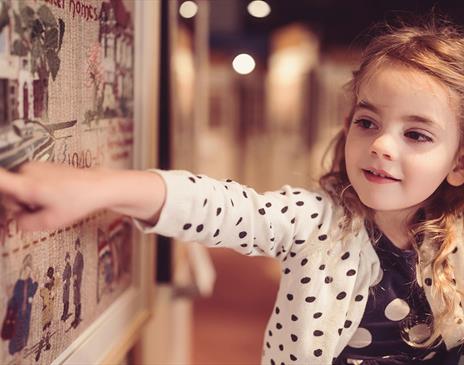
(259, 8)
(243, 64)
(188, 9)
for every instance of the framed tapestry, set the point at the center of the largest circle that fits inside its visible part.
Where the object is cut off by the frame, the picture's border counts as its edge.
(75, 89)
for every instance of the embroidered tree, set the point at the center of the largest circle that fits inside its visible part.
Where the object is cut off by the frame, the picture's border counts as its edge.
(40, 36)
(96, 80)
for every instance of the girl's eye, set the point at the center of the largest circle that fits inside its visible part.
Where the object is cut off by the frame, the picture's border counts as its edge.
(418, 137)
(363, 123)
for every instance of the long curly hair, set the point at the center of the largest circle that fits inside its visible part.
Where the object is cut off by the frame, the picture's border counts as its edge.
(435, 46)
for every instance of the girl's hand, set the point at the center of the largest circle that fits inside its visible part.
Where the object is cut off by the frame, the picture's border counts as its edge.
(46, 196)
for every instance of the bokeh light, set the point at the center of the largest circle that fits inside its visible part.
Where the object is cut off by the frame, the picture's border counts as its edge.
(243, 64)
(188, 9)
(259, 8)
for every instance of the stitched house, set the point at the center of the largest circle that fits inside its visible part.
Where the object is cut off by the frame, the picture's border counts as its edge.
(116, 38)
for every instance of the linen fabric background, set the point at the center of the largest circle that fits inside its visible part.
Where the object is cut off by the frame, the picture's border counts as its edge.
(66, 95)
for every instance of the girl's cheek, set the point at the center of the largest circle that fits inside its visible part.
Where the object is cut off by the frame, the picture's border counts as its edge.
(346, 126)
(351, 138)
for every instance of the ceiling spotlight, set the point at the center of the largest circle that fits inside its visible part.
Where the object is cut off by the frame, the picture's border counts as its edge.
(259, 8)
(188, 9)
(243, 64)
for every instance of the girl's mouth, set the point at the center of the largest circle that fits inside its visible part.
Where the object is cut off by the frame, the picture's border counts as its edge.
(378, 179)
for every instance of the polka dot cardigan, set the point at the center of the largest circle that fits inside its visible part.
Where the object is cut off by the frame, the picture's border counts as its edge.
(324, 284)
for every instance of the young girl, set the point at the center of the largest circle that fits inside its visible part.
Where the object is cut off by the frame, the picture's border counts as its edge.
(372, 262)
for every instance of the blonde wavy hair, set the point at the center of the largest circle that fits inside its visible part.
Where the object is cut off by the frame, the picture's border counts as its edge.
(435, 47)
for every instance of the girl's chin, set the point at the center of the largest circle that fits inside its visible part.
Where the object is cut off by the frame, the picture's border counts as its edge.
(379, 204)
(388, 206)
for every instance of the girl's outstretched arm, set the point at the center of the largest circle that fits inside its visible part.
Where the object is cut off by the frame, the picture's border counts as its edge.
(45, 196)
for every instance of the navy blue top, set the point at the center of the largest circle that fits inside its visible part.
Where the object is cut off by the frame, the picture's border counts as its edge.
(396, 311)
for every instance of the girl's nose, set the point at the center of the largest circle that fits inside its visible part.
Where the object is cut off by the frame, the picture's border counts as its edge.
(383, 147)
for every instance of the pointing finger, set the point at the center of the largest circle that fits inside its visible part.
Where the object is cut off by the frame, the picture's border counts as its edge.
(11, 204)
(12, 184)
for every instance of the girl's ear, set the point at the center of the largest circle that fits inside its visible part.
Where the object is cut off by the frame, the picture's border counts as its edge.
(456, 175)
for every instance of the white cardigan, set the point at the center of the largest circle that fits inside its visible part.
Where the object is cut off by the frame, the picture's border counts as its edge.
(323, 287)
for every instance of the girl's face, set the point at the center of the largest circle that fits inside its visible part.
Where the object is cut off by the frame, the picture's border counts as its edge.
(404, 124)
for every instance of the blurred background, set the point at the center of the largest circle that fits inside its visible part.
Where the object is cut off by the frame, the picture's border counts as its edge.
(251, 91)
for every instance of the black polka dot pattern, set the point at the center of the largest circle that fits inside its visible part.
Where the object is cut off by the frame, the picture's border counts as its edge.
(345, 255)
(305, 280)
(351, 272)
(289, 225)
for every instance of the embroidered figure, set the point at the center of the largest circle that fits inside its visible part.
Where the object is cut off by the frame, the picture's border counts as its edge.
(77, 270)
(67, 273)
(106, 264)
(16, 324)
(48, 295)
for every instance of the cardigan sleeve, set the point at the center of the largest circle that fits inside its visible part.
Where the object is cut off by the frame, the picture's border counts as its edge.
(228, 214)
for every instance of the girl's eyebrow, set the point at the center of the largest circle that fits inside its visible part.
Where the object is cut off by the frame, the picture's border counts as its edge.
(366, 105)
(412, 118)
